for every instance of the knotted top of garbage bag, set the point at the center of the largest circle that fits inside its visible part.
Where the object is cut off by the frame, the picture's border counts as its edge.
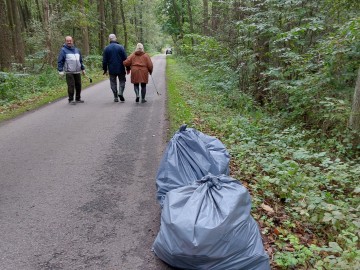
(189, 156)
(211, 181)
(183, 127)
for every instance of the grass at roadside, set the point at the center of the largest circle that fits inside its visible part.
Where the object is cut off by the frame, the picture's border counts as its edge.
(177, 84)
(17, 108)
(38, 96)
(304, 199)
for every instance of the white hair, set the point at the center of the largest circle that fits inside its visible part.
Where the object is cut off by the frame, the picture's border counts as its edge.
(139, 47)
(112, 37)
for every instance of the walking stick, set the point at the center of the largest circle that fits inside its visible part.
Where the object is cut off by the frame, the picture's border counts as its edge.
(155, 85)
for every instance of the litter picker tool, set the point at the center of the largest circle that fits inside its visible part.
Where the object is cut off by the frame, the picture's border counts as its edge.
(157, 92)
(90, 80)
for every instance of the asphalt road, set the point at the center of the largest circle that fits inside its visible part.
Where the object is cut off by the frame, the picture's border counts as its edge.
(77, 183)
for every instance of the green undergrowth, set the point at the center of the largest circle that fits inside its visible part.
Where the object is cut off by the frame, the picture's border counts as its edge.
(304, 186)
(19, 94)
(177, 84)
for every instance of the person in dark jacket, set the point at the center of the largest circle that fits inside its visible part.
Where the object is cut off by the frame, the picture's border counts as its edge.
(113, 56)
(141, 67)
(70, 63)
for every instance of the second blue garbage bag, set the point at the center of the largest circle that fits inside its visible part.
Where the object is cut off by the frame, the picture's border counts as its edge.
(190, 155)
(207, 225)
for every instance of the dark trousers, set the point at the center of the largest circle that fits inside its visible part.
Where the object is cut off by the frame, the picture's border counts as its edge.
(113, 84)
(143, 89)
(74, 83)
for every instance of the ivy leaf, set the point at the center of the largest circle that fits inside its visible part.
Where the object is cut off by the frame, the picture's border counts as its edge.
(356, 223)
(327, 217)
(335, 246)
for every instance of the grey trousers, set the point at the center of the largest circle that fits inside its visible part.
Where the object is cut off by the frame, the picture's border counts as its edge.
(113, 84)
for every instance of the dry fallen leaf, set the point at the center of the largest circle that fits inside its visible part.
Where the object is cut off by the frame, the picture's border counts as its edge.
(267, 208)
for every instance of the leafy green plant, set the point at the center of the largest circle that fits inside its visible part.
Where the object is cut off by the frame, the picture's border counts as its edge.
(297, 255)
(299, 171)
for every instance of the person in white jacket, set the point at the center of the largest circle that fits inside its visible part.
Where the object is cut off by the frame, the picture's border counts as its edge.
(70, 63)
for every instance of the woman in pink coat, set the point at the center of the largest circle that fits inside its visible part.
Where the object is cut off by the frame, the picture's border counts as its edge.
(141, 66)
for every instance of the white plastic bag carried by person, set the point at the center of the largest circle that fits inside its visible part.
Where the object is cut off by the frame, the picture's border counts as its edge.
(207, 225)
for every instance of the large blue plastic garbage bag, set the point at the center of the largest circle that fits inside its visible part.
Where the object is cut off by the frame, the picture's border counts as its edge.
(190, 155)
(208, 225)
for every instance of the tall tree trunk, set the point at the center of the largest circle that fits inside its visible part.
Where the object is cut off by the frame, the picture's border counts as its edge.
(50, 57)
(39, 10)
(124, 24)
(182, 13)
(141, 22)
(190, 20)
(354, 122)
(261, 49)
(136, 26)
(23, 16)
(15, 26)
(177, 19)
(11, 28)
(5, 56)
(102, 25)
(205, 17)
(84, 29)
(234, 32)
(114, 16)
(215, 16)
